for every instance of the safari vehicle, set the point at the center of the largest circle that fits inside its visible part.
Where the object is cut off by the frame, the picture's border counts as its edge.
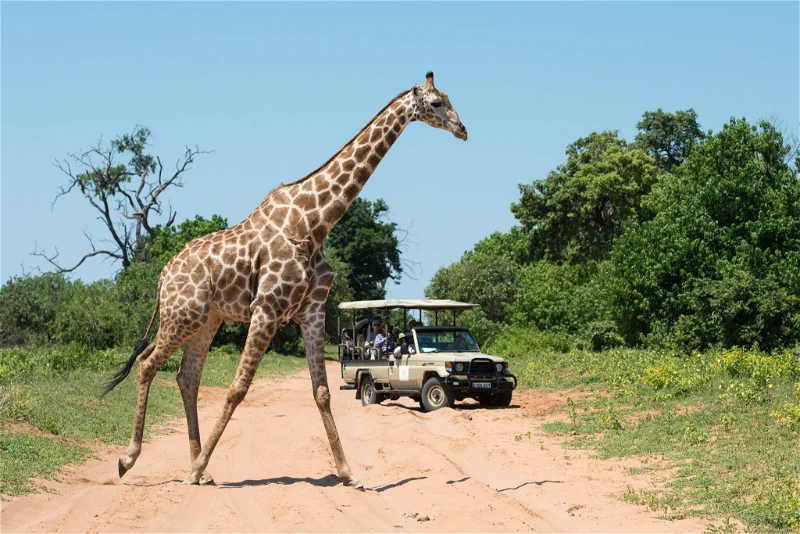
(438, 365)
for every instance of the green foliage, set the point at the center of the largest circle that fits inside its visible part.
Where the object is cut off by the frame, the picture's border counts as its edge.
(720, 263)
(368, 245)
(578, 210)
(29, 305)
(488, 281)
(135, 293)
(88, 315)
(513, 245)
(668, 137)
(169, 241)
(484, 330)
(341, 291)
(550, 297)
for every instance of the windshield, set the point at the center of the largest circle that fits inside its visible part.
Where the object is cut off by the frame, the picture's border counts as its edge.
(446, 341)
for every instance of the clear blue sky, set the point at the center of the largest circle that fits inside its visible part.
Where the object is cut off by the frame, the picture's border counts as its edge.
(276, 88)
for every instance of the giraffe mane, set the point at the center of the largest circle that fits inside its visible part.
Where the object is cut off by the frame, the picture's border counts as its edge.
(315, 171)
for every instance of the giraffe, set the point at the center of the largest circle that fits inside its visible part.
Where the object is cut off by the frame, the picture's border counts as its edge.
(268, 270)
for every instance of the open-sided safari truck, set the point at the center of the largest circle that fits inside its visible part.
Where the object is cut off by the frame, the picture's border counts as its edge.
(434, 365)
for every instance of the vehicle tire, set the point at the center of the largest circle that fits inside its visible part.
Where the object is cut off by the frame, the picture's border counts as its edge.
(435, 395)
(485, 399)
(503, 399)
(369, 394)
(500, 400)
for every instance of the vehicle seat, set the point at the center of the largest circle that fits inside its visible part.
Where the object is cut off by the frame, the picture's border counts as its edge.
(358, 353)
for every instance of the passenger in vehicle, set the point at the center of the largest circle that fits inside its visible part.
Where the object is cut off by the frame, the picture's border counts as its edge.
(376, 342)
(392, 335)
(411, 325)
(404, 347)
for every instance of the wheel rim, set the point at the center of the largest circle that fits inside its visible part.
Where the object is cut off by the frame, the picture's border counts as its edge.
(367, 394)
(436, 396)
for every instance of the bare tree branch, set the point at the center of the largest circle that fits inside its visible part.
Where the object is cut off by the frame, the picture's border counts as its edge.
(126, 212)
(51, 259)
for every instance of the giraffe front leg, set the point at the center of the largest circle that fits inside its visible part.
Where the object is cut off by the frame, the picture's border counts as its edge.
(312, 324)
(262, 328)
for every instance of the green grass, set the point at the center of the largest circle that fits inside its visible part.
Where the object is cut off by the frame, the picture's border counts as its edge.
(26, 456)
(59, 404)
(726, 425)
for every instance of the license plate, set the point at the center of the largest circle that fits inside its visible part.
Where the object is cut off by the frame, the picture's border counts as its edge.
(486, 385)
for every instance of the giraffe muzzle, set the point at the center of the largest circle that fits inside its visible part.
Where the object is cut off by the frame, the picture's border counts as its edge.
(461, 132)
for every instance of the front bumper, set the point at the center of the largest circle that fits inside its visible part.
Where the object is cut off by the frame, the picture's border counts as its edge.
(481, 375)
(474, 383)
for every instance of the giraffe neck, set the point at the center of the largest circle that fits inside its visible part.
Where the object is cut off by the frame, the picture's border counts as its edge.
(317, 202)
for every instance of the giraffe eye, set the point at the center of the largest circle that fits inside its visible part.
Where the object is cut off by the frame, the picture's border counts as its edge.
(437, 104)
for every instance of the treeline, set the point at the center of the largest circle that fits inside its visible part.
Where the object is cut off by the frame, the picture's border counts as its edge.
(680, 239)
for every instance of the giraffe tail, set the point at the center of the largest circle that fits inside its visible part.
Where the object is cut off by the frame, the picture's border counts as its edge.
(143, 347)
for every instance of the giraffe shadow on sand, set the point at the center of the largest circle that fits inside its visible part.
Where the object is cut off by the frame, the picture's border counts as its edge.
(328, 481)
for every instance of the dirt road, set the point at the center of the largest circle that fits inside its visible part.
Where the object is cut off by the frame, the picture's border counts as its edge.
(459, 470)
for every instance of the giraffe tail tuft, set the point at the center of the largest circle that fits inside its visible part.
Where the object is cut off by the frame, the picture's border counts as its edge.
(125, 370)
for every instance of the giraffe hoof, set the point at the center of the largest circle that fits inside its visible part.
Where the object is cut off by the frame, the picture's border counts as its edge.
(207, 479)
(191, 481)
(122, 469)
(354, 483)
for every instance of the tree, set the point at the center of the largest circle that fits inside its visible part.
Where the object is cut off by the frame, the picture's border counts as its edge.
(369, 246)
(127, 196)
(486, 280)
(513, 245)
(579, 209)
(668, 137)
(720, 263)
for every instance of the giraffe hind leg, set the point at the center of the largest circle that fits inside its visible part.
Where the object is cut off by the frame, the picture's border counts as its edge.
(147, 371)
(195, 352)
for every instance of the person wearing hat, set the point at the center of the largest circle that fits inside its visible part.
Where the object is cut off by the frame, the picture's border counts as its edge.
(403, 347)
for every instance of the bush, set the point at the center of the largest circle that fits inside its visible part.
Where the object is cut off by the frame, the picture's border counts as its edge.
(523, 343)
(29, 306)
(88, 315)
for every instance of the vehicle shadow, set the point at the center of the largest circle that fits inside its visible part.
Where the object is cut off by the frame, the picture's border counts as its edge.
(459, 406)
(539, 483)
(456, 406)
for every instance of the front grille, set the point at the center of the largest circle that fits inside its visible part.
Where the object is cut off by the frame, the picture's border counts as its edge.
(482, 368)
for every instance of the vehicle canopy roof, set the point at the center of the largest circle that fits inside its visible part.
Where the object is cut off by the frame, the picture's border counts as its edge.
(406, 304)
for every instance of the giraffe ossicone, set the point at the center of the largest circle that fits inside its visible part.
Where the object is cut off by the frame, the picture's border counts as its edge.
(268, 270)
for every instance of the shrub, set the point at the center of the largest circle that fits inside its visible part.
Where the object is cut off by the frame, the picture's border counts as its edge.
(29, 306)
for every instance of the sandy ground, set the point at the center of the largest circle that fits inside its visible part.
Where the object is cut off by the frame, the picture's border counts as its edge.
(454, 470)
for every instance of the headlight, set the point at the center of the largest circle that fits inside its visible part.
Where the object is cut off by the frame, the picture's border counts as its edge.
(500, 367)
(459, 367)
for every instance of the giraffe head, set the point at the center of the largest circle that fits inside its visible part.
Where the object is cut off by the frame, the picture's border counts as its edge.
(433, 107)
